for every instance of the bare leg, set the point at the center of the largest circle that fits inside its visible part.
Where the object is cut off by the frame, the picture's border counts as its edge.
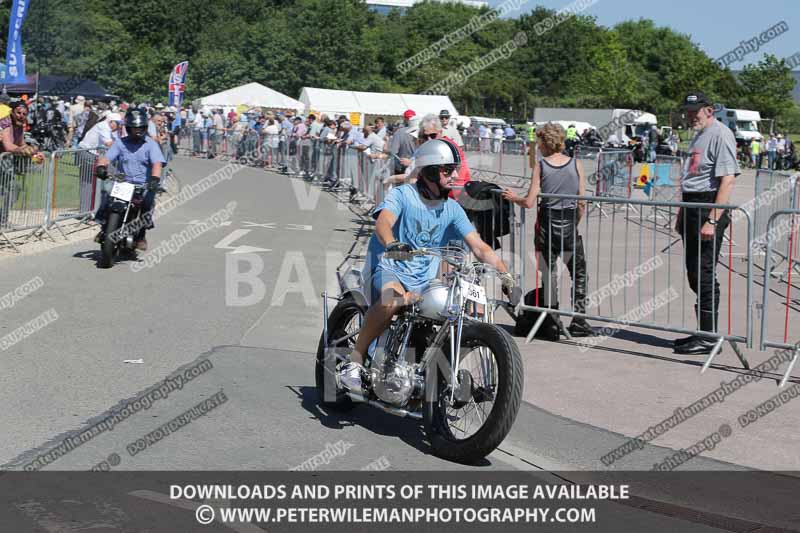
(378, 318)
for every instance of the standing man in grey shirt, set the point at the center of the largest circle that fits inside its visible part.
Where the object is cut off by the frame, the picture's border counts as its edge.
(708, 176)
(404, 143)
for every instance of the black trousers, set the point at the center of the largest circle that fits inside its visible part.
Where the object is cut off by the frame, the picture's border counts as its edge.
(557, 235)
(702, 257)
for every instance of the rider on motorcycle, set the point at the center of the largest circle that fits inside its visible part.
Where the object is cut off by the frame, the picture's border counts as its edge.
(141, 161)
(411, 217)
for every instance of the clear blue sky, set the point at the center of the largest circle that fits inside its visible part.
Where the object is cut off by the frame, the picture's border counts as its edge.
(717, 26)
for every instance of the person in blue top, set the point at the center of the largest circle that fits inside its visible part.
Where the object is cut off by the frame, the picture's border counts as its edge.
(411, 217)
(140, 159)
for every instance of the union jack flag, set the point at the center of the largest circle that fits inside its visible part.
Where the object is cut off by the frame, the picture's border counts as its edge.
(177, 83)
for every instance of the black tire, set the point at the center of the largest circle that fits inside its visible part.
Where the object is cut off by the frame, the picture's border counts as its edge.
(342, 314)
(108, 248)
(507, 398)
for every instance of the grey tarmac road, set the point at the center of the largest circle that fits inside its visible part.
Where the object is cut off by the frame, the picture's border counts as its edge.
(70, 375)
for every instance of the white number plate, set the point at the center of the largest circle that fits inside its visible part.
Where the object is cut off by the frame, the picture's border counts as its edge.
(123, 190)
(476, 293)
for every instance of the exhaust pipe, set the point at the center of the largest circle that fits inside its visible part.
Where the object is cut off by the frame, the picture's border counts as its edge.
(386, 408)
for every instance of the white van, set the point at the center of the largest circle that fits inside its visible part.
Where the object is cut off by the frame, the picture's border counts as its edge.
(742, 122)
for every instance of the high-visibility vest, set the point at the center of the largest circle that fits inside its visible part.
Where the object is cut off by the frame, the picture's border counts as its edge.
(572, 133)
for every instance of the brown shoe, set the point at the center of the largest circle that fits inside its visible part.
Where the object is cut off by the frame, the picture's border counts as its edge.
(141, 245)
(99, 237)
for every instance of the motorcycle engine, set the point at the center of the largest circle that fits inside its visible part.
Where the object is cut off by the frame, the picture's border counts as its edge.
(392, 376)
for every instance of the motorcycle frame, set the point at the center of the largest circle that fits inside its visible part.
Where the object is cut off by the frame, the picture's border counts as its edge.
(452, 325)
(127, 242)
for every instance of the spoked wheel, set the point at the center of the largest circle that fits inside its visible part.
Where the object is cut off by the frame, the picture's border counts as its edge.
(344, 324)
(467, 421)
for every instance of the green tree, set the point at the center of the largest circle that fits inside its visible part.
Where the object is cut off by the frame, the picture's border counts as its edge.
(768, 86)
(129, 47)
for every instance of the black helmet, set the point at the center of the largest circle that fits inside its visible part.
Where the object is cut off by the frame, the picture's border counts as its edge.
(136, 118)
(136, 124)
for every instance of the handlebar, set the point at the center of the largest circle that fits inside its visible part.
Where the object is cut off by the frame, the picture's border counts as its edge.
(450, 255)
(120, 177)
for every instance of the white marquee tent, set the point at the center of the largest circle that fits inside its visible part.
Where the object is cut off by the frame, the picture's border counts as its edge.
(363, 104)
(251, 95)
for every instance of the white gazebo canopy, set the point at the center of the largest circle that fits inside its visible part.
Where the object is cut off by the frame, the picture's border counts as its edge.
(335, 102)
(251, 95)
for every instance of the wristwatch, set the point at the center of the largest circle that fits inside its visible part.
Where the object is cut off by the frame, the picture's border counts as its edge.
(712, 221)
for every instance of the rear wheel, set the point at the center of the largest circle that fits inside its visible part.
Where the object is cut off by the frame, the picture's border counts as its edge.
(109, 248)
(344, 324)
(467, 426)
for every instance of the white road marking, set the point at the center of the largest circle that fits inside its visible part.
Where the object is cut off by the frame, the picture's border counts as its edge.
(265, 225)
(195, 222)
(273, 225)
(225, 243)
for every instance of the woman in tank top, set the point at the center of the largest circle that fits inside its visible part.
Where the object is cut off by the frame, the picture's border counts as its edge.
(557, 222)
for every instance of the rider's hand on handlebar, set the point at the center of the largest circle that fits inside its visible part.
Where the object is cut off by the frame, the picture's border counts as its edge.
(101, 172)
(510, 288)
(154, 184)
(398, 251)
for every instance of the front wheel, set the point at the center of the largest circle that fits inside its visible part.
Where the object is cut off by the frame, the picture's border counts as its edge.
(467, 426)
(344, 324)
(108, 248)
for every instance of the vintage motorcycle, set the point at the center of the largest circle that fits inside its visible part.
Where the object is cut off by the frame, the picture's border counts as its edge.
(438, 362)
(124, 219)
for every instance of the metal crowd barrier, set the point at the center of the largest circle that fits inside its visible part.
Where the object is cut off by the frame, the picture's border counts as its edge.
(781, 226)
(774, 192)
(185, 139)
(299, 160)
(365, 174)
(25, 192)
(73, 183)
(610, 172)
(270, 144)
(622, 290)
(39, 195)
(665, 185)
(503, 157)
(589, 156)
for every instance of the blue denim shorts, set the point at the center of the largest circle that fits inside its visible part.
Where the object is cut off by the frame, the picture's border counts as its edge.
(379, 279)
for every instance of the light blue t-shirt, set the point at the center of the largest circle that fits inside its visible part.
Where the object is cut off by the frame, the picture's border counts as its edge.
(136, 159)
(420, 226)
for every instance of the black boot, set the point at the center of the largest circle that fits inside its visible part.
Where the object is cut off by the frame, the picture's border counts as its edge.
(701, 345)
(580, 328)
(690, 338)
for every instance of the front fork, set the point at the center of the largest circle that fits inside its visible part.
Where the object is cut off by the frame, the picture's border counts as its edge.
(455, 353)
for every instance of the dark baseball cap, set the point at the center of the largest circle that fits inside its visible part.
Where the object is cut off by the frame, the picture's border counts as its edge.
(444, 113)
(696, 100)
